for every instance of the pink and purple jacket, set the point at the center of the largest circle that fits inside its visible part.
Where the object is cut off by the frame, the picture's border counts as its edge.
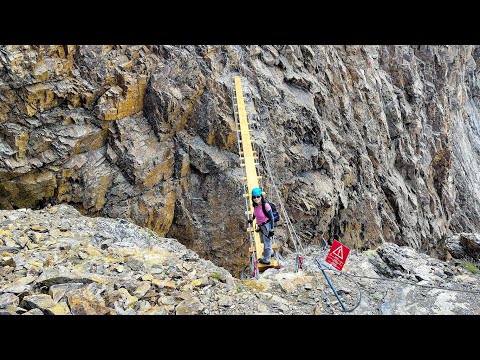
(259, 215)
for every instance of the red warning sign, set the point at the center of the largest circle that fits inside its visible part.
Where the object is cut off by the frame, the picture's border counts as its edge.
(337, 255)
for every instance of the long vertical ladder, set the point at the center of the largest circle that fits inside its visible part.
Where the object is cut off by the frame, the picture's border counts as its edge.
(248, 157)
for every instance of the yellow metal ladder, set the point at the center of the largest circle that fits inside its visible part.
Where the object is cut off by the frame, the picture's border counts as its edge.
(248, 160)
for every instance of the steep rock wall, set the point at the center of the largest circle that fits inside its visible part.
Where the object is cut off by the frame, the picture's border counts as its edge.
(374, 143)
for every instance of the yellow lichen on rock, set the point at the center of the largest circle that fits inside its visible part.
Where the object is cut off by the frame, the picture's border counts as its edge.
(157, 174)
(40, 97)
(90, 142)
(256, 285)
(21, 143)
(119, 102)
(59, 309)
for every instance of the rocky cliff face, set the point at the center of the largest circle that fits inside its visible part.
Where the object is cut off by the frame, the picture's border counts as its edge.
(374, 143)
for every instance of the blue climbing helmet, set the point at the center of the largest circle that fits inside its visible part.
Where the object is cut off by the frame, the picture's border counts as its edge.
(256, 192)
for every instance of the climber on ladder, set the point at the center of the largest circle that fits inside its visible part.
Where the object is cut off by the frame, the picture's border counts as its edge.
(263, 214)
(248, 159)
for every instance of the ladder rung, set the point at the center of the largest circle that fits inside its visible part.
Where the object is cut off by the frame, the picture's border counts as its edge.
(243, 164)
(274, 247)
(253, 157)
(245, 178)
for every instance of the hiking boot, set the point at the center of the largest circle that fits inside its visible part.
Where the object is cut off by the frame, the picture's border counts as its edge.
(263, 261)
